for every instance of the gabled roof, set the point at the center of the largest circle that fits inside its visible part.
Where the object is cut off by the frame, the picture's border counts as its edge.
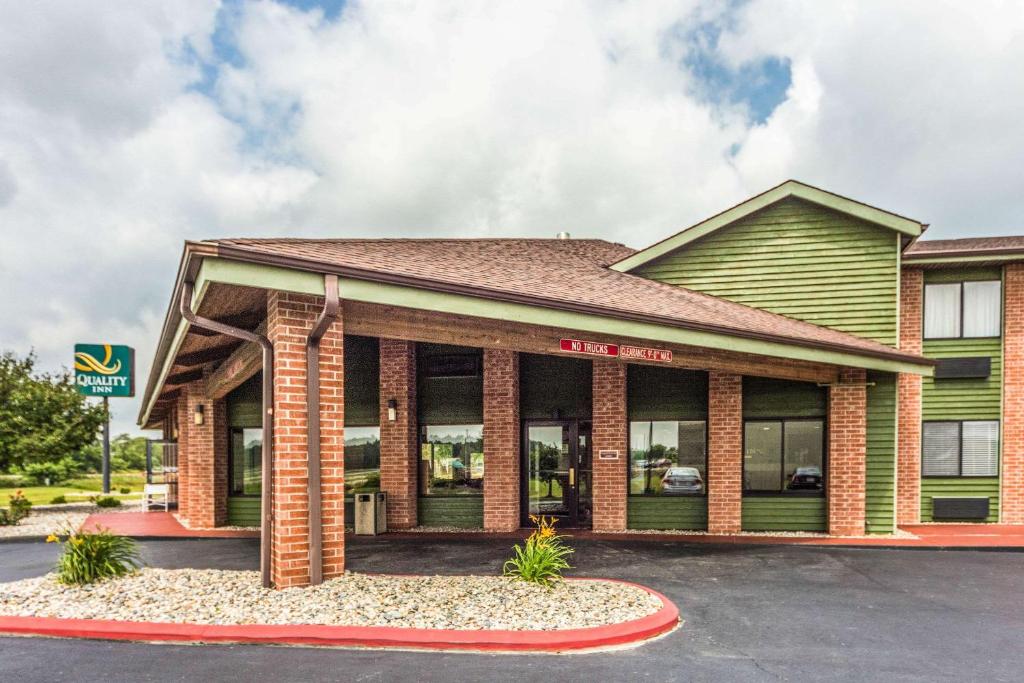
(790, 188)
(970, 247)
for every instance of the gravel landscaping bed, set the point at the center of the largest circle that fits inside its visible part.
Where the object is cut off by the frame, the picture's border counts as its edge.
(236, 597)
(44, 520)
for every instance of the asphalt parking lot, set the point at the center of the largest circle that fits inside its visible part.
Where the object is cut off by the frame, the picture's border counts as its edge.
(752, 613)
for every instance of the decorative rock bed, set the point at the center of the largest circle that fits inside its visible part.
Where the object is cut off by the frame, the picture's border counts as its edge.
(418, 602)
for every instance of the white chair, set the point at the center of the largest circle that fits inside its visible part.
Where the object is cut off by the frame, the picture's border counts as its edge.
(155, 495)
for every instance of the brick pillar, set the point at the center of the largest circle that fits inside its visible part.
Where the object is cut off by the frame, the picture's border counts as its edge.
(610, 433)
(184, 422)
(399, 445)
(1011, 503)
(908, 394)
(847, 458)
(290, 318)
(206, 491)
(501, 440)
(725, 453)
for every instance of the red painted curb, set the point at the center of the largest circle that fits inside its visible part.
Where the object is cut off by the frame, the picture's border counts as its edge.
(660, 622)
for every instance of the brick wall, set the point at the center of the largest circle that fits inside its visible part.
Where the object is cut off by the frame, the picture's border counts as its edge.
(184, 421)
(206, 491)
(501, 440)
(725, 452)
(1012, 466)
(908, 390)
(610, 433)
(398, 439)
(290, 317)
(847, 472)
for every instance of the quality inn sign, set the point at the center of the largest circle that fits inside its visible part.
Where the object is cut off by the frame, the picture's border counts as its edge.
(105, 370)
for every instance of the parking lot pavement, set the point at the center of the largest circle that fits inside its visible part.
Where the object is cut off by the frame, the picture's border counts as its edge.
(752, 613)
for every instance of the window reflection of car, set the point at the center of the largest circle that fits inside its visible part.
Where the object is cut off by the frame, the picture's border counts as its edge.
(679, 480)
(805, 479)
(640, 464)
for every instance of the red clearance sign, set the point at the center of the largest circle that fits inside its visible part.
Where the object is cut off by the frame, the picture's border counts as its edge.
(643, 353)
(589, 347)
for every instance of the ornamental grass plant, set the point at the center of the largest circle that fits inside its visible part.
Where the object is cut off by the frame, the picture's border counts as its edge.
(543, 556)
(90, 556)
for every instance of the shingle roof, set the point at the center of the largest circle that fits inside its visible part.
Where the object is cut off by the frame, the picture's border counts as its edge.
(566, 274)
(979, 246)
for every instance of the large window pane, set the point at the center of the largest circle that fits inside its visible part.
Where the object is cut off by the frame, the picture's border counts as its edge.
(940, 449)
(804, 455)
(762, 456)
(246, 461)
(941, 311)
(982, 304)
(452, 460)
(362, 460)
(668, 457)
(980, 444)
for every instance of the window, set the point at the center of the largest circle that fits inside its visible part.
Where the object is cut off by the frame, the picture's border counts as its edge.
(784, 456)
(362, 460)
(960, 449)
(246, 462)
(963, 309)
(452, 460)
(668, 458)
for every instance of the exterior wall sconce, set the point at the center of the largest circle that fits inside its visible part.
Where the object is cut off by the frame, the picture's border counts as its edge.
(392, 410)
(198, 416)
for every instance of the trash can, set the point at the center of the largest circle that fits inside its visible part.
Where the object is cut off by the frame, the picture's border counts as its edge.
(371, 515)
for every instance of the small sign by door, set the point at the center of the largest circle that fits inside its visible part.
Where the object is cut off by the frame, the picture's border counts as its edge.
(608, 455)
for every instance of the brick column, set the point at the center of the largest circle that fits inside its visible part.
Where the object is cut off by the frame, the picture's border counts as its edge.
(290, 318)
(206, 491)
(908, 395)
(184, 422)
(610, 433)
(725, 453)
(399, 445)
(501, 440)
(1011, 503)
(847, 458)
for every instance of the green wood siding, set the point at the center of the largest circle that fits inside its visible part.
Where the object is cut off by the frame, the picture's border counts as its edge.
(550, 385)
(245, 408)
(959, 487)
(784, 513)
(800, 260)
(448, 400)
(362, 381)
(764, 397)
(656, 393)
(464, 512)
(667, 512)
(963, 399)
(881, 453)
(243, 511)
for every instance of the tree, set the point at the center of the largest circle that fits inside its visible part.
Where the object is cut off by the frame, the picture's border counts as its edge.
(43, 418)
(128, 453)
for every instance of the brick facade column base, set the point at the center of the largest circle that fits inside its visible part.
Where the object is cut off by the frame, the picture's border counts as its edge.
(908, 449)
(847, 462)
(501, 440)
(1011, 500)
(725, 453)
(203, 496)
(399, 443)
(609, 433)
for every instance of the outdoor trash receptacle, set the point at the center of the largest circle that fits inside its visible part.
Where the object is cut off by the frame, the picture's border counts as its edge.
(370, 514)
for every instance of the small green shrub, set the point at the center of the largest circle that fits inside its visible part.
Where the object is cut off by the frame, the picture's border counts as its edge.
(91, 556)
(17, 509)
(125, 490)
(107, 502)
(542, 557)
(50, 473)
(58, 500)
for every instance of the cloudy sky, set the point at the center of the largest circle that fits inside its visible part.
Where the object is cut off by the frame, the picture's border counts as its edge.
(128, 127)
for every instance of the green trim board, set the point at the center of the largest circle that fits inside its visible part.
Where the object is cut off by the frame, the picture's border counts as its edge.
(462, 512)
(784, 513)
(960, 487)
(966, 274)
(667, 512)
(788, 189)
(800, 260)
(880, 486)
(244, 511)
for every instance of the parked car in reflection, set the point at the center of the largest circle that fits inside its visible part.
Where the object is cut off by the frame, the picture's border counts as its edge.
(805, 479)
(680, 480)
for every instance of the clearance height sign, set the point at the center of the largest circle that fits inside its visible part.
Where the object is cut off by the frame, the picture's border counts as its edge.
(624, 351)
(105, 370)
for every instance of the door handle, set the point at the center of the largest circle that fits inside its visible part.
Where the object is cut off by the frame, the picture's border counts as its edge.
(572, 476)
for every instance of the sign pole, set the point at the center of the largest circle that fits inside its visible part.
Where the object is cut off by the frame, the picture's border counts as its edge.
(106, 446)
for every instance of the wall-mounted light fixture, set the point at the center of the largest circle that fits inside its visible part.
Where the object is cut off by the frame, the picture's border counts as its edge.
(392, 410)
(198, 416)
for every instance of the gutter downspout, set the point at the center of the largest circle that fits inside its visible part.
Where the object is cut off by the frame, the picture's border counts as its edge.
(332, 304)
(266, 509)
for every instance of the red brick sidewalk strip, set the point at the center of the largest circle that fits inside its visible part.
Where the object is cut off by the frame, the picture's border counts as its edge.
(157, 525)
(567, 640)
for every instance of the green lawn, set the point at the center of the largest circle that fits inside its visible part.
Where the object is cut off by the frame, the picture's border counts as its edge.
(78, 489)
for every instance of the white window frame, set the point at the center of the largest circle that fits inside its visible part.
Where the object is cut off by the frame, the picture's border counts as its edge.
(960, 449)
(960, 313)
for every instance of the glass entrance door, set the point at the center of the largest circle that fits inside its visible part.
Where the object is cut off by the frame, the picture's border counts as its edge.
(557, 471)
